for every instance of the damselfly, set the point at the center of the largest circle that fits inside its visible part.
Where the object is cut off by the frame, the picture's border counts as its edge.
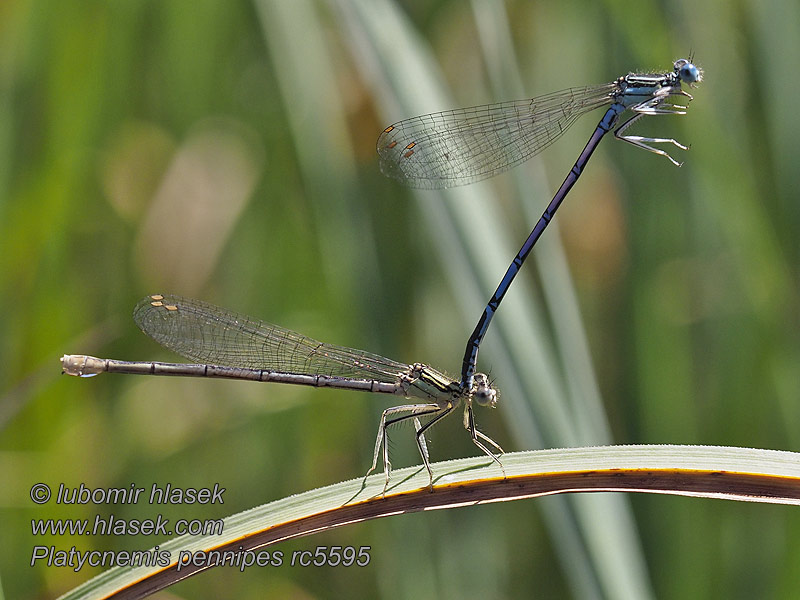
(233, 346)
(462, 146)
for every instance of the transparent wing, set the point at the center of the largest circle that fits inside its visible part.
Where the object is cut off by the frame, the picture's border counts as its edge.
(461, 146)
(209, 334)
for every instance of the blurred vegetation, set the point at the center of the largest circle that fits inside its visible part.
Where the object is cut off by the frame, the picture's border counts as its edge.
(225, 150)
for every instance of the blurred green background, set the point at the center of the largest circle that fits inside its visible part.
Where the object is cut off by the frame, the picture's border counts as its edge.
(225, 151)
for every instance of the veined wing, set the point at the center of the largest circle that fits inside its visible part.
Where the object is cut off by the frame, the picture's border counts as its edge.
(461, 146)
(209, 334)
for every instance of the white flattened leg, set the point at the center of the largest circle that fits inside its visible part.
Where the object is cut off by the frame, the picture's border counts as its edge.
(477, 436)
(422, 445)
(643, 142)
(394, 415)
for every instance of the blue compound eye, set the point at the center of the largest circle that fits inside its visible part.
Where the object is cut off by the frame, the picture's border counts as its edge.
(689, 73)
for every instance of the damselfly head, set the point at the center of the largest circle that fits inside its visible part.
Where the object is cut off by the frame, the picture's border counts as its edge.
(483, 393)
(688, 72)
